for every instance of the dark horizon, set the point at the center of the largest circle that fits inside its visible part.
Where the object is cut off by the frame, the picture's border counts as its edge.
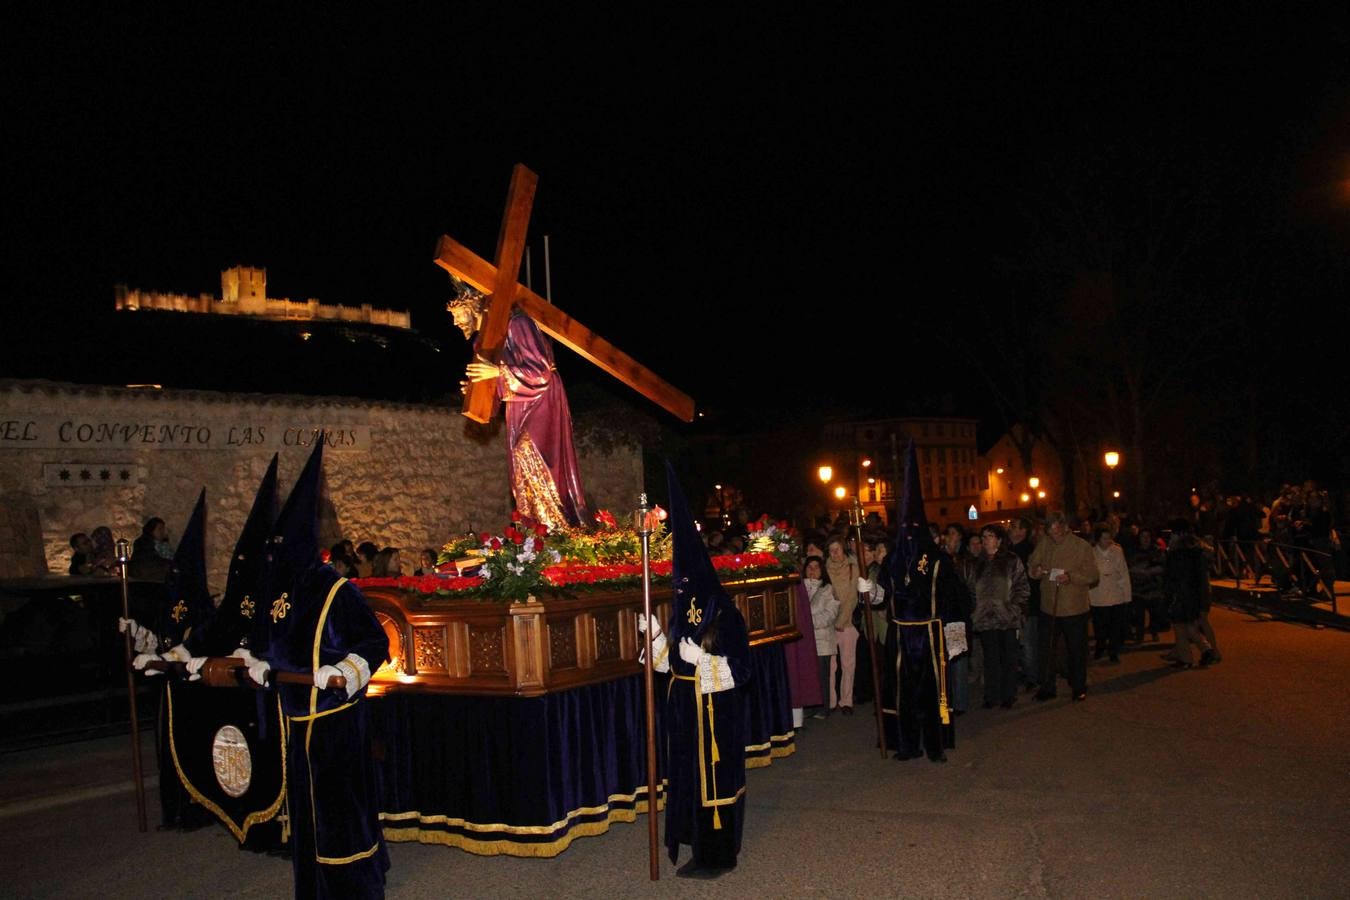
(776, 212)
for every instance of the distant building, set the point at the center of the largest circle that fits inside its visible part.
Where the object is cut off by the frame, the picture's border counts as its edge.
(243, 292)
(868, 456)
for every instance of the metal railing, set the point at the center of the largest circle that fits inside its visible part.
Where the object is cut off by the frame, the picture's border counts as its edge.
(1308, 572)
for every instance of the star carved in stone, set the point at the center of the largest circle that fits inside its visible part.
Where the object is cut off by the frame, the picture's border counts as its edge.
(124, 475)
(64, 474)
(104, 474)
(85, 474)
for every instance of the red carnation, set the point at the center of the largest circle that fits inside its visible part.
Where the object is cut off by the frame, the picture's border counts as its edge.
(518, 538)
(496, 544)
(541, 529)
(515, 515)
(782, 525)
(484, 537)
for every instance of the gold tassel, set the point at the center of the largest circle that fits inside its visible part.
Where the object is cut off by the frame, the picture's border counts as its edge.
(712, 729)
(716, 758)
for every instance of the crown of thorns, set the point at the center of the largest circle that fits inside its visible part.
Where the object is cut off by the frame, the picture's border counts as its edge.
(466, 297)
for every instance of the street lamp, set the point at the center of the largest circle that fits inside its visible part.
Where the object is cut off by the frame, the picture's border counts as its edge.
(825, 473)
(1033, 482)
(1112, 459)
(840, 493)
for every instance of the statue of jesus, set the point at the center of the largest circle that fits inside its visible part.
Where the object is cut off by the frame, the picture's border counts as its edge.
(545, 479)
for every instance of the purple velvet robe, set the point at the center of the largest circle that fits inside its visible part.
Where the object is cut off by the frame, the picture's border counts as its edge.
(802, 667)
(536, 405)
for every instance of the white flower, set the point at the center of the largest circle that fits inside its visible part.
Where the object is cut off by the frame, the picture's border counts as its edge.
(557, 557)
(486, 573)
(783, 547)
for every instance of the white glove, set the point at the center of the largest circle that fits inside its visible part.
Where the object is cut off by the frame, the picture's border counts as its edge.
(257, 671)
(655, 626)
(194, 667)
(178, 654)
(257, 668)
(864, 586)
(143, 640)
(141, 659)
(690, 652)
(323, 673)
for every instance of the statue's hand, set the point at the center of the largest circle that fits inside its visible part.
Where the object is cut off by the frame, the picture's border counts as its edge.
(481, 371)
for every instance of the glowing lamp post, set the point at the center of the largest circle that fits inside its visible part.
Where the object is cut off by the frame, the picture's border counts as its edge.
(1033, 482)
(1112, 459)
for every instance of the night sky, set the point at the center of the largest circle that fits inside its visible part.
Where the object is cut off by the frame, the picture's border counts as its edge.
(792, 211)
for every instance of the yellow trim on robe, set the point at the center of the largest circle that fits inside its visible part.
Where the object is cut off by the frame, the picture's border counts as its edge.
(327, 712)
(336, 861)
(704, 799)
(318, 639)
(309, 732)
(254, 818)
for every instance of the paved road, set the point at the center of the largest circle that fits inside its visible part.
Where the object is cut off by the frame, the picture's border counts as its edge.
(1231, 781)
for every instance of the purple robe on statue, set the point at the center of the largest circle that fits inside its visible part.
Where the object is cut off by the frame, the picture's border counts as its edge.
(545, 479)
(802, 668)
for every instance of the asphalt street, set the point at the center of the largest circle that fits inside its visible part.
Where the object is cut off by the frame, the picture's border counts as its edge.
(1231, 781)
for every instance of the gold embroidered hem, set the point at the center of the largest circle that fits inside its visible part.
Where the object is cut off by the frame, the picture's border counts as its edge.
(532, 485)
(518, 840)
(239, 830)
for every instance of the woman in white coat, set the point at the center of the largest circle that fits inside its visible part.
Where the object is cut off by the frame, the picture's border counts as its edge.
(824, 610)
(1110, 598)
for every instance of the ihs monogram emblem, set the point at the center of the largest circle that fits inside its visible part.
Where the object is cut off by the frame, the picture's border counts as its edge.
(246, 607)
(695, 615)
(279, 608)
(179, 611)
(923, 565)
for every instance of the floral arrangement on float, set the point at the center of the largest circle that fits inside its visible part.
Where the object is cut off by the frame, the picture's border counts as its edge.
(777, 538)
(527, 558)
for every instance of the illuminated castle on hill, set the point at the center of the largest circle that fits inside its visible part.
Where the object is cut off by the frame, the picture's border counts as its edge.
(243, 292)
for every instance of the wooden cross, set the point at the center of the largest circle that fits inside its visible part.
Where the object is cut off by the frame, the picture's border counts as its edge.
(504, 293)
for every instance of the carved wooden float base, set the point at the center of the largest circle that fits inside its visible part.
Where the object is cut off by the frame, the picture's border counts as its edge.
(552, 643)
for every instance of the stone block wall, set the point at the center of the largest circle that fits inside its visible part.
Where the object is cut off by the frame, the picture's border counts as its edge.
(74, 457)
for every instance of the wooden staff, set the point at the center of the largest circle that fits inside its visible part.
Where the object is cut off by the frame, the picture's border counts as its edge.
(856, 520)
(645, 532)
(123, 557)
(229, 671)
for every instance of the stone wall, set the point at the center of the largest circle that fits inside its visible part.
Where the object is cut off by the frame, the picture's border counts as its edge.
(74, 457)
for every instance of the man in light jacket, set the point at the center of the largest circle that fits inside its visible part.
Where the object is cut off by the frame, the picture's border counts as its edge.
(1065, 566)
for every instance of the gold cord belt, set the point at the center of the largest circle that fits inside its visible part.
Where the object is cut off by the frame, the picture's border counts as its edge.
(715, 752)
(937, 652)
